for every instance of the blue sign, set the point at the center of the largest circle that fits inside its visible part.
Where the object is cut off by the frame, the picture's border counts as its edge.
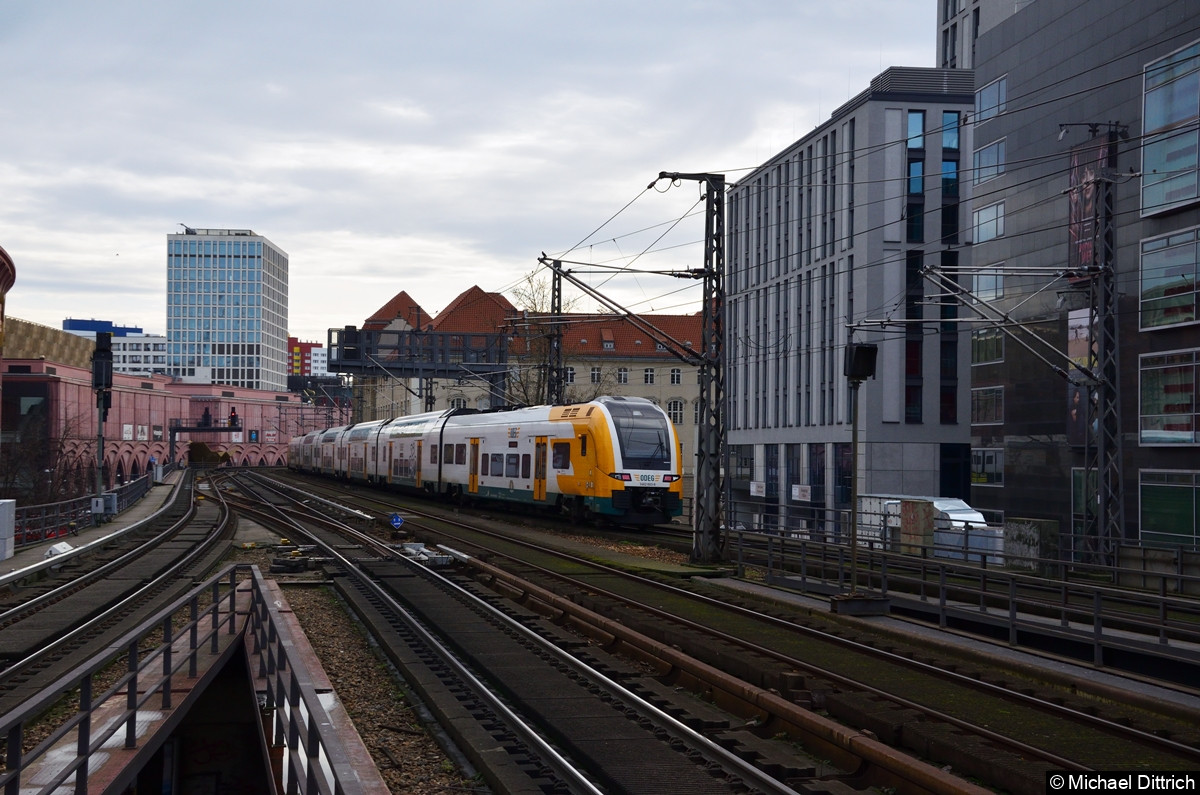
(397, 520)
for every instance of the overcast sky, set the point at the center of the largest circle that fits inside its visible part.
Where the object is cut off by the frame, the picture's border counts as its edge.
(387, 146)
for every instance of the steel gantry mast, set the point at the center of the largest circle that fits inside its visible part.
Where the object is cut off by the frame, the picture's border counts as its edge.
(1107, 522)
(710, 447)
(709, 360)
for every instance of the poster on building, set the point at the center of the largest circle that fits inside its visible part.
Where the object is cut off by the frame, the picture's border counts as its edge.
(141, 433)
(158, 433)
(270, 435)
(1087, 160)
(127, 432)
(1079, 343)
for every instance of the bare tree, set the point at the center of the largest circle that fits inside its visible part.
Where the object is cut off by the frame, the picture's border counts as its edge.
(37, 468)
(533, 328)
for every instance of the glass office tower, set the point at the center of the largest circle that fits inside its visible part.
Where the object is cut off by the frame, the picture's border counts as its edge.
(227, 308)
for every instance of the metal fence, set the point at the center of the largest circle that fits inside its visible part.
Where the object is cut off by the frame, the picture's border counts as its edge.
(38, 523)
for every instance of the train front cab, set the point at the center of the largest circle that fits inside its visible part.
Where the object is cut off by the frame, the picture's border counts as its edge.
(624, 461)
(643, 484)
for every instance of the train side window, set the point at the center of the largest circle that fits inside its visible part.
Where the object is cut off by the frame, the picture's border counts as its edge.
(433, 448)
(497, 464)
(583, 445)
(525, 466)
(448, 454)
(512, 466)
(483, 464)
(460, 454)
(562, 455)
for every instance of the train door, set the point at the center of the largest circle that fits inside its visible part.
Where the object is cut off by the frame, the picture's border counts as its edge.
(420, 459)
(387, 462)
(539, 468)
(473, 478)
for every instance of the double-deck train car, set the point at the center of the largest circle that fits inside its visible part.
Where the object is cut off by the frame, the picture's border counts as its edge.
(613, 457)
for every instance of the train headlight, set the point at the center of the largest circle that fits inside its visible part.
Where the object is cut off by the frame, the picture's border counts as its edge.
(671, 478)
(623, 476)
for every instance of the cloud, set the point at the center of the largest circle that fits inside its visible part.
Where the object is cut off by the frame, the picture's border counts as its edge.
(415, 146)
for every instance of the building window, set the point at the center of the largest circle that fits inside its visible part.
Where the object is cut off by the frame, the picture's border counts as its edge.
(1171, 142)
(676, 376)
(458, 403)
(648, 375)
(609, 345)
(569, 376)
(1169, 269)
(989, 283)
(595, 375)
(622, 375)
(950, 120)
(1168, 411)
(916, 177)
(988, 222)
(916, 129)
(948, 414)
(987, 467)
(914, 225)
(987, 405)
(949, 179)
(991, 100)
(675, 411)
(989, 161)
(1170, 508)
(987, 345)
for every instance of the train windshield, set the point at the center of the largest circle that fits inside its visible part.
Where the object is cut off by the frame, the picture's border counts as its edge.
(643, 435)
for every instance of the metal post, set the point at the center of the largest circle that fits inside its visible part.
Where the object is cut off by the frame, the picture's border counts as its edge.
(99, 452)
(556, 380)
(854, 384)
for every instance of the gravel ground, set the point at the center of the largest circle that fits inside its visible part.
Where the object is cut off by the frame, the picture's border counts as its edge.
(405, 752)
(407, 755)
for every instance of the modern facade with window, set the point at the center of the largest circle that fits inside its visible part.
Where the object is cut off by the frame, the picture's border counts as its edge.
(227, 309)
(962, 22)
(1073, 98)
(826, 244)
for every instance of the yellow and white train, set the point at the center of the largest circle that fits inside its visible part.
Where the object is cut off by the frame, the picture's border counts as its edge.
(616, 458)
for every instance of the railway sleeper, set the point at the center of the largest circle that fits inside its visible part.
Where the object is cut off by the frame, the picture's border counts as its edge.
(901, 727)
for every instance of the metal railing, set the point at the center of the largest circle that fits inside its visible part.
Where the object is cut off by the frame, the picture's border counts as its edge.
(1133, 565)
(36, 524)
(315, 756)
(175, 637)
(178, 639)
(1161, 611)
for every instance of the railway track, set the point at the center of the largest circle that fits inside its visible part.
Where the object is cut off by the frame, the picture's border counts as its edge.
(503, 677)
(70, 612)
(997, 725)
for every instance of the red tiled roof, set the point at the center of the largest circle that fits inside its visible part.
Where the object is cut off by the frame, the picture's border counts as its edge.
(402, 306)
(616, 337)
(475, 311)
(584, 335)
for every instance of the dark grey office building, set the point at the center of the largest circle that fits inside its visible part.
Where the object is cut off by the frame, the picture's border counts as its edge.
(1086, 136)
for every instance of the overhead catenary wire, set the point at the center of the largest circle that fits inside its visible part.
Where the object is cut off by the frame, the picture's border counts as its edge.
(1013, 106)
